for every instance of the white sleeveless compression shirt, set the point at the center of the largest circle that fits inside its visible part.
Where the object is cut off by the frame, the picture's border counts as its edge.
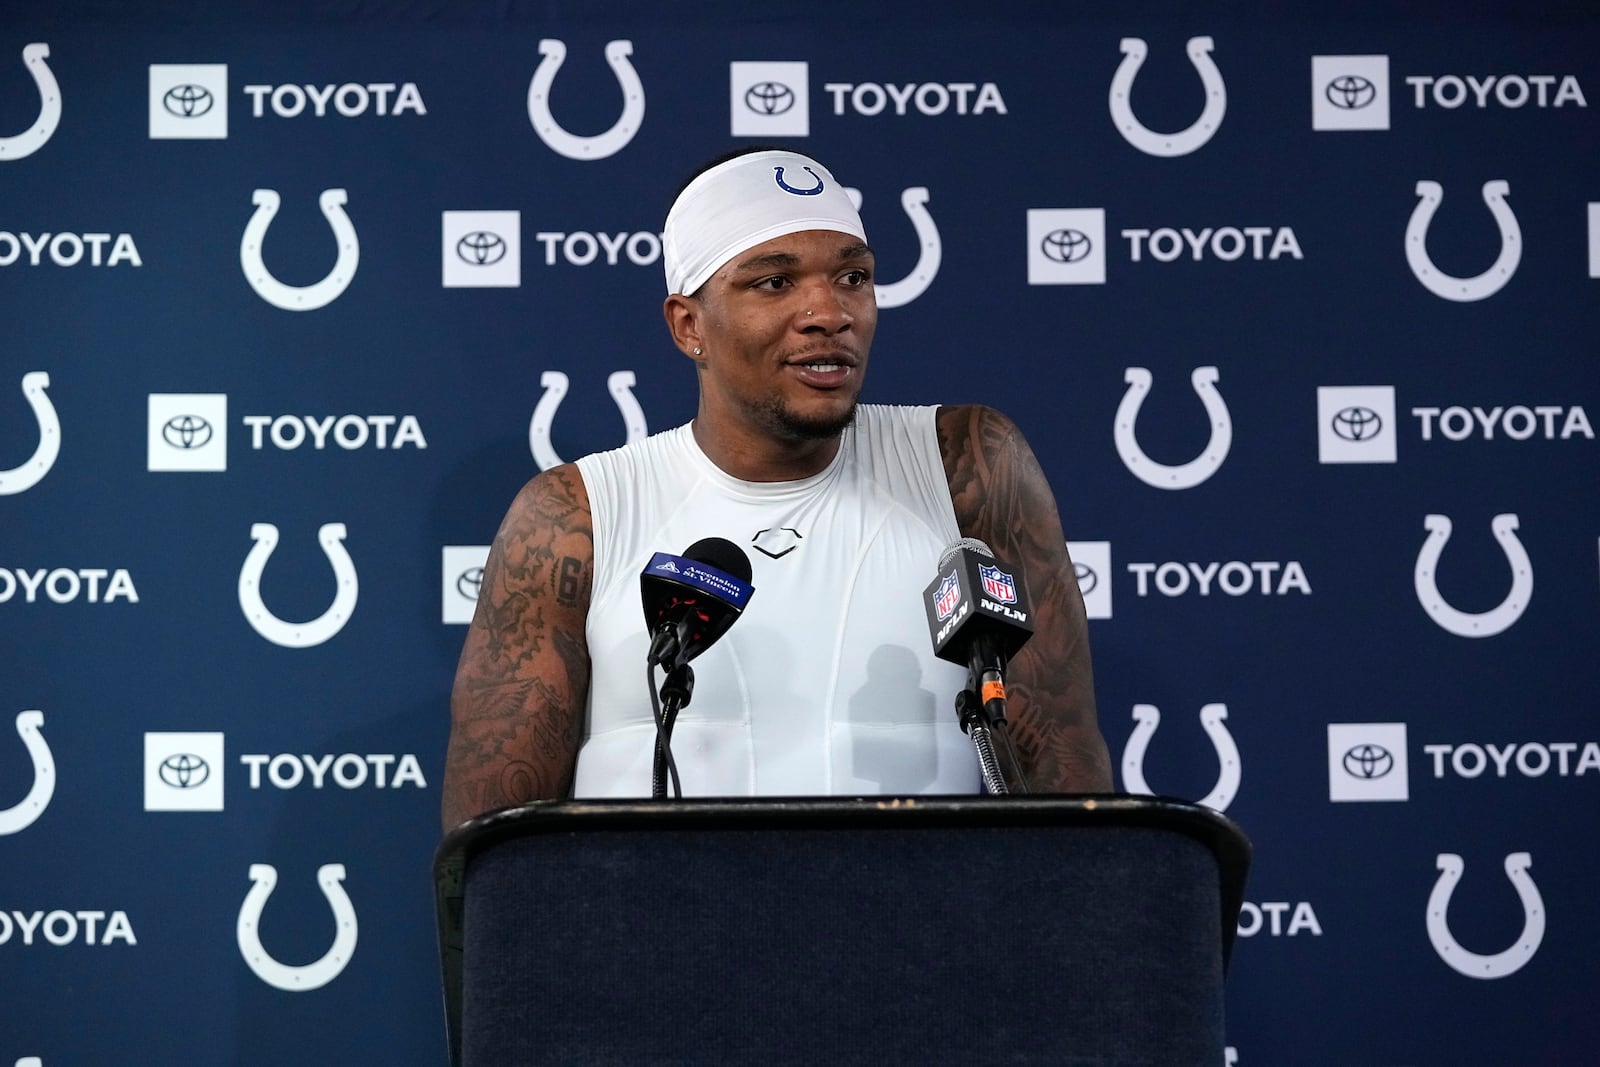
(827, 684)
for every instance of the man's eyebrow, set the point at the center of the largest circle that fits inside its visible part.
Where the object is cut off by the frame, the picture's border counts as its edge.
(771, 259)
(858, 250)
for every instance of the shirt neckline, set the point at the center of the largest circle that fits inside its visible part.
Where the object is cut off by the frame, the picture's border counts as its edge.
(765, 490)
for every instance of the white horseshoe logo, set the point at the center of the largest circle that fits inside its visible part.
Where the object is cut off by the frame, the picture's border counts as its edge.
(1470, 963)
(304, 634)
(1148, 141)
(32, 139)
(27, 475)
(554, 382)
(1461, 623)
(301, 297)
(1490, 281)
(1148, 717)
(330, 877)
(1197, 470)
(915, 202)
(600, 145)
(22, 814)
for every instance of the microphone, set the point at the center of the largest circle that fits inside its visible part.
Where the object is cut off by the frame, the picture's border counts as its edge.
(978, 618)
(691, 600)
(977, 611)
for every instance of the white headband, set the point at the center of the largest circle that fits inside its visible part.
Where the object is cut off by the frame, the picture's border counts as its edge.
(739, 204)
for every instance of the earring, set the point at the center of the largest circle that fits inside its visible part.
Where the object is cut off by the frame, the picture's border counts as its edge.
(697, 350)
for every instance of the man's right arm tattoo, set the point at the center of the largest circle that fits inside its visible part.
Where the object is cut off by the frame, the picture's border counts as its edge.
(517, 707)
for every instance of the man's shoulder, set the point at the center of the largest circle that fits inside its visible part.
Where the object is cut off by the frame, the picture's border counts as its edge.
(630, 460)
(971, 430)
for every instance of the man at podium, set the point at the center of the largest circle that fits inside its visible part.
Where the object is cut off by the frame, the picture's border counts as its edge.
(832, 515)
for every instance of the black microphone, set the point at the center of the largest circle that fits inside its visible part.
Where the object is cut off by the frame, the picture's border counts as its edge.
(691, 600)
(978, 617)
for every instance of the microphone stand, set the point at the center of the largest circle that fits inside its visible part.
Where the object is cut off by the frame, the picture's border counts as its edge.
(975, 724)
(982, 708)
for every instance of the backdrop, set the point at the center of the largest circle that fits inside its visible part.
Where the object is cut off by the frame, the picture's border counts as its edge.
(1298, 313)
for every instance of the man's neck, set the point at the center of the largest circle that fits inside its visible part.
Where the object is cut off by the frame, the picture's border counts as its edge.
(752, 458)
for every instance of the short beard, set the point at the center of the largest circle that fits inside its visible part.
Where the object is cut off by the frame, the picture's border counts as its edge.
(786, 425)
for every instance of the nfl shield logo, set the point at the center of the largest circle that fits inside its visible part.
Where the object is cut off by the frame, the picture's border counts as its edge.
(946, 597)
(998, 584)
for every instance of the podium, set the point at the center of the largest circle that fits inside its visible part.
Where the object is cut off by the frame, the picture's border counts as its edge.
(921, 930)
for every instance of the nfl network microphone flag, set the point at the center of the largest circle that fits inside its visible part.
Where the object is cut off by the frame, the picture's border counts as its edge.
(968, 585)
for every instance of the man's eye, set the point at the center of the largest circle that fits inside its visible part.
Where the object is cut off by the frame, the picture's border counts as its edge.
(857, 277)
(775, 282)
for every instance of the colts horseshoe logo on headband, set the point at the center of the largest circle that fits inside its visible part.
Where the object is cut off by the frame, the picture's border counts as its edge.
(786, 187)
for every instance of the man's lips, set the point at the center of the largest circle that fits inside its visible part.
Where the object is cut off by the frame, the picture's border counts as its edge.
(825, 370)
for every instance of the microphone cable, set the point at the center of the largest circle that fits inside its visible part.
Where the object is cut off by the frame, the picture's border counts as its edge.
(1011, 753)
(663, 753)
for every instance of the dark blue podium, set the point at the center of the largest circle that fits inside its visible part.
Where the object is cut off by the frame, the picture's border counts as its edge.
(1049, 930)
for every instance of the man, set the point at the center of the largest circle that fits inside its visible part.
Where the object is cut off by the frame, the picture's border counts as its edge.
(827, 683)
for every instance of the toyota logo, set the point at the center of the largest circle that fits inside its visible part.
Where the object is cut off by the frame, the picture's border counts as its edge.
(769, 98)
(1350, 92)
(188, 101)
(480, 248)
(184, 770)
(1087, 578)
(469, 582)
(1357, 424)
(186, 432)
(1368, 761)
(1065, 246)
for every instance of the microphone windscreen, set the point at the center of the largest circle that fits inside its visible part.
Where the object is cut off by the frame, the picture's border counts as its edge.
(969, 543)
(722, 554)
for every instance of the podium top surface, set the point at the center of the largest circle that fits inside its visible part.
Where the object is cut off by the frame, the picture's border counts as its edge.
(1211, 828)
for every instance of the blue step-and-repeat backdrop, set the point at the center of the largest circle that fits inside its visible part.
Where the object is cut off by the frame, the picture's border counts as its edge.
(1301, 314)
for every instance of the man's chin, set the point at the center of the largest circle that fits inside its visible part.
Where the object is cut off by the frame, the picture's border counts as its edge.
(802, 427)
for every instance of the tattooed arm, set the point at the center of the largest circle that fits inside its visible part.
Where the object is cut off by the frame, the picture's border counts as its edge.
(517, 709)
(1002, 498)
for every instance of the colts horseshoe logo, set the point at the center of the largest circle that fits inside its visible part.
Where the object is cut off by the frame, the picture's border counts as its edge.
(786, 187)
(1148, 717)
(305, 297)
(22, 814)
(330, 877)
(298, 635)
(1500, 964)
(1461, 623)
(27, 475)
(1197, 470)
(33, 138)
(601, 145)
(1490, 281)
(554, 382)
(1134, 51)
(915, 203)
